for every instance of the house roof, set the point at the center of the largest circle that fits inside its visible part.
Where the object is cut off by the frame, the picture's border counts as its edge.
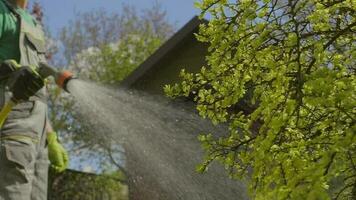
(187, 30)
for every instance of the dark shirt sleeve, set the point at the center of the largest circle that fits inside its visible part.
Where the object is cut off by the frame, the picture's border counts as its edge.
(3, 10)
(2, 13)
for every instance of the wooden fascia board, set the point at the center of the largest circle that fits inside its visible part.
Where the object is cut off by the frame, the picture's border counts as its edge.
(162, 51)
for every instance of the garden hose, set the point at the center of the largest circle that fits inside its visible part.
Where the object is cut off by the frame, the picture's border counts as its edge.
(5, 111)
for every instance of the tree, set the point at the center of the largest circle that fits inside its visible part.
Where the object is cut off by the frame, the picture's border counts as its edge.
(281, 73)
(113, 45)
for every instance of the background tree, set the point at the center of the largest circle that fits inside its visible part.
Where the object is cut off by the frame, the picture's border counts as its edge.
(281, 73)
(116, 44)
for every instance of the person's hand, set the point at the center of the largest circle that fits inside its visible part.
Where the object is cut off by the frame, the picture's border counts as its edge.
(7, 67)
(27, 82)
(57, 155)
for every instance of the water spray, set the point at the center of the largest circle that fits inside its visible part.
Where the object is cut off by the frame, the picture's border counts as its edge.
(44, 71)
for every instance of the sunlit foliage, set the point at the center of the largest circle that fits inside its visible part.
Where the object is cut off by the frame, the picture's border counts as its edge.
(281, 73)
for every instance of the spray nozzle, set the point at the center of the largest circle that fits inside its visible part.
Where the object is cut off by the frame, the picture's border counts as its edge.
(61, 77)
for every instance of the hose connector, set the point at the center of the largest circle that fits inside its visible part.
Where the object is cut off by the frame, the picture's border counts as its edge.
(61, 77)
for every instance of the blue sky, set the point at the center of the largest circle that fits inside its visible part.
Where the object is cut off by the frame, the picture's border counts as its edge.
(58, 13)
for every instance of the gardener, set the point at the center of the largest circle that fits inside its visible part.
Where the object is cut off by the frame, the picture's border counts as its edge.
(26, 134)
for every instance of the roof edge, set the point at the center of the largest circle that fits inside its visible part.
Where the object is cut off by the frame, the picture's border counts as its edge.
(170, 44)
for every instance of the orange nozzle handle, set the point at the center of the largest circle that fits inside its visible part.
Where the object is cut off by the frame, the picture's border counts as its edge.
(63, 78)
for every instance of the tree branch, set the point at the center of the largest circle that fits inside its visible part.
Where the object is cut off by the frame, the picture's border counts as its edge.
(333, 39)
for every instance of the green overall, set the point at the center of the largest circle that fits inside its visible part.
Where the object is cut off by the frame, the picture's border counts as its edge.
(23, 152)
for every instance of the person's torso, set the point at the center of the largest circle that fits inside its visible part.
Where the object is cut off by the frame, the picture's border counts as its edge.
(10, 31)
(22, 39)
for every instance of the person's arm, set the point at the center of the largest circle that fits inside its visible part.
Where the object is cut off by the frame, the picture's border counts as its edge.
(3, 10)
(49, 128)
(57, 155)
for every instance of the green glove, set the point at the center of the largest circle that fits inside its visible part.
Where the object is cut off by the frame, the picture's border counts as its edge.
(56, 153)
